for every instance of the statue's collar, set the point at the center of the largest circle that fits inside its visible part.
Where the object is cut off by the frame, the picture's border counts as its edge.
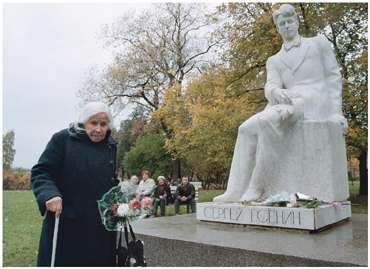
(298, 59)
(295, 43)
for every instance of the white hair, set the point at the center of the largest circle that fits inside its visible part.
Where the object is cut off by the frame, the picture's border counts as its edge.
(134, 179)
(90, 110)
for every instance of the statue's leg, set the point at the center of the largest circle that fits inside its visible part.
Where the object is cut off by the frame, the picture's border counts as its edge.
(267, 119)
(243, 162)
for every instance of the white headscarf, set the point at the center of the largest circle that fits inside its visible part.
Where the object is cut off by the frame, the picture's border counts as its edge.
(91, 109)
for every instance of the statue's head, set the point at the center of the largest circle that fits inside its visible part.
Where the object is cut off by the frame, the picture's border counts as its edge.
(286, 21)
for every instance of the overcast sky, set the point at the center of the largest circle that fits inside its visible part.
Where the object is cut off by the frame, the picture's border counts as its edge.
(47, 52)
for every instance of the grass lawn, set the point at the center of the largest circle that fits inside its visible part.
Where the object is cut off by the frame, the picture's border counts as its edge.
(22, 222)
(22, 225)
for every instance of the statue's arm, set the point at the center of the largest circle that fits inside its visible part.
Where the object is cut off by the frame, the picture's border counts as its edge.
(332, 74)
(274, 91)
(333, 80)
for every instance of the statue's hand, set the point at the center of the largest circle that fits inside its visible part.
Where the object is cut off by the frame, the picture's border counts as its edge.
(341, 120)
(281, 97)
(284, 112)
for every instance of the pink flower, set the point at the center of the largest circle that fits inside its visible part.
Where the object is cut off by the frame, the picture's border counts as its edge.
(134, 204)
(337, 205)
(146, 202)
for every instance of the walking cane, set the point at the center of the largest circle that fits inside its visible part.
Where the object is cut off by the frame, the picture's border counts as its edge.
(55, 239)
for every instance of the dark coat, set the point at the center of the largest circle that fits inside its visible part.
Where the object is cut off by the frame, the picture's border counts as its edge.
(188, 191)
(167, 190)
(156, 192)
(80, 171)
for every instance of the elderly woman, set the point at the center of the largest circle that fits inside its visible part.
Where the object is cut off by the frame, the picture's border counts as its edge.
(74, 171)
(161, 196)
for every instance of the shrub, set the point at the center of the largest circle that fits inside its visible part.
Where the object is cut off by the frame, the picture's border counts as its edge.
(16, 180)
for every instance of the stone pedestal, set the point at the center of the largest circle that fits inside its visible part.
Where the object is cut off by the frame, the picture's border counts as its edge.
(297, 218)
(185, 241)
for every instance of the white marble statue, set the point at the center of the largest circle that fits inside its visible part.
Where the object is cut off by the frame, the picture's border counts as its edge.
(296, 143)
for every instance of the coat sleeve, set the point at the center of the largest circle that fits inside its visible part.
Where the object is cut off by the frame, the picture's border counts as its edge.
(273, 81)
(178, 189)
(155, 193)
(44, 173)
(332, 73)
(168, 191)
(192, 192)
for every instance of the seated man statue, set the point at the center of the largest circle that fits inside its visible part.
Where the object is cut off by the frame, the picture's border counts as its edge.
(185, 194)
(286, 146)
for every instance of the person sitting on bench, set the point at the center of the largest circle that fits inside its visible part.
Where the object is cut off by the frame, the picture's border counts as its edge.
(161, 196)
(185, 194)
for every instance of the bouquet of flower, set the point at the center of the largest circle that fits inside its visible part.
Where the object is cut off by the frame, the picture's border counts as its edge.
(285, 199)
(118, 205)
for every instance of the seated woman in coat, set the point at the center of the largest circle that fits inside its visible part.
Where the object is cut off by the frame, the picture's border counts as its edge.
(161, 196)
(74, 171)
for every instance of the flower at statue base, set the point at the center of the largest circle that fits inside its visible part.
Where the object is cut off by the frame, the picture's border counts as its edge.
(293, 201)
(284, 199)
(116, 208)
(337, 205)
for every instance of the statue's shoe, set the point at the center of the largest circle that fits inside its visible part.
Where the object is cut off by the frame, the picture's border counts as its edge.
(250, 195)
(228, 197)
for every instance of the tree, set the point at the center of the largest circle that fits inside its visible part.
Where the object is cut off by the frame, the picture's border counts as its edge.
(250, 36)
(205, 121)
(148, 153)
(130, 129)
(8, 149)
(156, 50)
(356, 111)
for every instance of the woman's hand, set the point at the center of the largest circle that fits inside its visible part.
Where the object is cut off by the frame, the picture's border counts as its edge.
(54, 205)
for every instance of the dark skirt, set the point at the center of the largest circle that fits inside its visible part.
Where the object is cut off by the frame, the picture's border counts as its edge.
(81, 242)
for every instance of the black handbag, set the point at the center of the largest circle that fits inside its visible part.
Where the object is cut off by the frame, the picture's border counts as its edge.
(121, 251)
(133, 254)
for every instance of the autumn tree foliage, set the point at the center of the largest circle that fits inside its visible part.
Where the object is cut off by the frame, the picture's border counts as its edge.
(205, 120)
